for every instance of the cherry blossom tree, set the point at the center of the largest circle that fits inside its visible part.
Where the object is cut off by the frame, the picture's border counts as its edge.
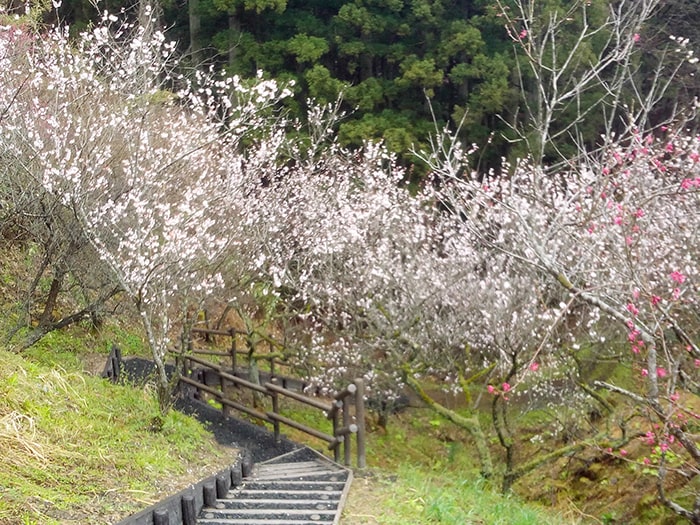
(616, 229)
(148, 162)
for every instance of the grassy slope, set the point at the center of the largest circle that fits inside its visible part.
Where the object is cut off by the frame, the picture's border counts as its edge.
(78, 449)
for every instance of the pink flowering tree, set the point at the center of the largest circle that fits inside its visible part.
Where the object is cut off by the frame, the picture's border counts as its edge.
(148, 162)
(616, 229)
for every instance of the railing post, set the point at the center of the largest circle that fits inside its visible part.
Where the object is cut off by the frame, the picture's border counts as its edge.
(233, 351)
(336, 425)
(276, 410)
(360, 421)
(225, 409)
(347, 446)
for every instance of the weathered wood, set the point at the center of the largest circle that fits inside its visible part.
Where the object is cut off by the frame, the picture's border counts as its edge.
(226, 375)
(223, 484)
(209, 494)
(274, 390)
(346, 444)
(247, 465)
(113, 367)
(348, 391)
(189, 511)
(237, 474)
(303, 428)
(275, 409)
(360, 421)
(326, 407)
(161, 517)
(225, 401)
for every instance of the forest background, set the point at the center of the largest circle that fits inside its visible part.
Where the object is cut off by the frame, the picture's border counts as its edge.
(525, 235)
(387, 58)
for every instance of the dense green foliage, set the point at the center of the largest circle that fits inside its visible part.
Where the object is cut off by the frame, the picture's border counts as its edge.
(389, 58)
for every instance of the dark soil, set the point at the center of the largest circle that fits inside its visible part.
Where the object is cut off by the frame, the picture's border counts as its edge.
(255, 440)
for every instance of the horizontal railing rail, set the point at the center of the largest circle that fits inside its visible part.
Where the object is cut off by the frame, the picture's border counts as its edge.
(345, 410)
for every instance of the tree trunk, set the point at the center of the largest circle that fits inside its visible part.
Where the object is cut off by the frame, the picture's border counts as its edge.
(195, 32)
(470, 424)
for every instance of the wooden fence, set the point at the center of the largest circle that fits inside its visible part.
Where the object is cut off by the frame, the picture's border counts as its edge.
(345, 409)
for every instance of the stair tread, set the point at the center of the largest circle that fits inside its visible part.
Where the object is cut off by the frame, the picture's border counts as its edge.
(261, 521)
(288, 494)
(283, 491)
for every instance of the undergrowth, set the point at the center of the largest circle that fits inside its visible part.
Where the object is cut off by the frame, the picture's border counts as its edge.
(81, 450)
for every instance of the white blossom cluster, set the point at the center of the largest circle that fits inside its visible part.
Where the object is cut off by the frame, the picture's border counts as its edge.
(149, 163)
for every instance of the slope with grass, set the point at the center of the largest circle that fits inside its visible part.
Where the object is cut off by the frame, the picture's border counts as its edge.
(80, 450)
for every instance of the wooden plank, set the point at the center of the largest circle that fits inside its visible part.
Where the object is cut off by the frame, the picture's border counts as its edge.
(311, 431)
(326, 407)
(229, 377)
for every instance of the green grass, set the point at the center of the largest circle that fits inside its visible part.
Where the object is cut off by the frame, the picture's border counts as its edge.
(419, 495)
(422, 470)
(76, 447)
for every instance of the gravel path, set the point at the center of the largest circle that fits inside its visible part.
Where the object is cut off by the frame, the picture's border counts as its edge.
(256, 440)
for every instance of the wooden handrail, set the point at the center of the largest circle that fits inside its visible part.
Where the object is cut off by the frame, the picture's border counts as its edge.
(340, 406)
(326, 407)
(299, 426)
(229, 377)
(225, 401)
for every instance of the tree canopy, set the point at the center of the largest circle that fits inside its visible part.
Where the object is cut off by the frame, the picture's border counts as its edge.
(403, 64)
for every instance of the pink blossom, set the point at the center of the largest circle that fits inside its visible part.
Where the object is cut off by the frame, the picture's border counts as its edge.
(534, 366)
(632, 309)
(623, 452)
(491, 389)
(646, 461)
(661, 372)
(675, 397)
(506, 387)
(636, 38)
(655, 299)
(677, 277)
(645, 372)
(523, 34)
(697, 363)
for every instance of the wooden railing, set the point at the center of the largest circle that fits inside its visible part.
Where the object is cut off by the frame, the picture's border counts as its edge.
(345, 409)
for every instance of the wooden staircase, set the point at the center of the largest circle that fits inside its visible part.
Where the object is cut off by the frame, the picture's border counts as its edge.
(298, 488)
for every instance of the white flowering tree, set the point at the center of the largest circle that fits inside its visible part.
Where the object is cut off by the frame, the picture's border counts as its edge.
(616, 229)
(384, 281)
(148, 162)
